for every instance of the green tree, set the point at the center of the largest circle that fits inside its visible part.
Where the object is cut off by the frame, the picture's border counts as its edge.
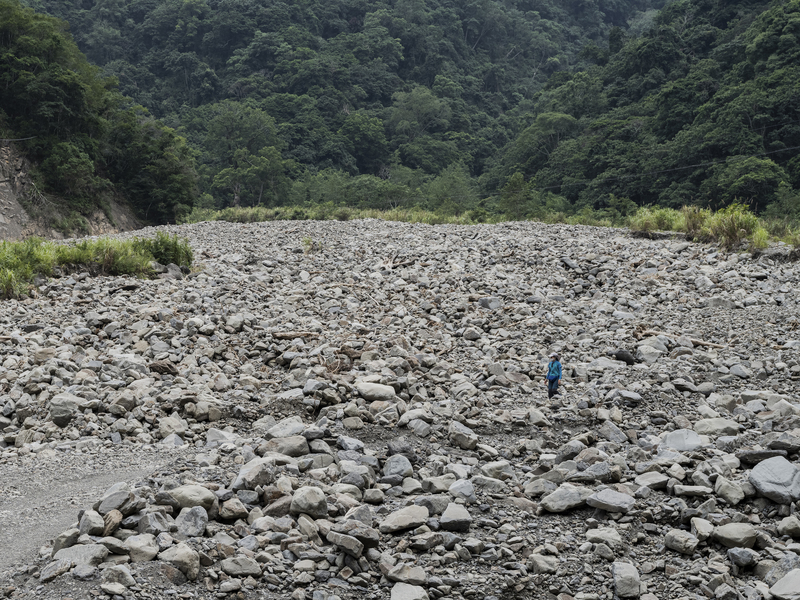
(366, 141)
(417, 113)
(515, 196)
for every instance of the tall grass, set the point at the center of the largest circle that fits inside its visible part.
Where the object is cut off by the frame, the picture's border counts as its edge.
(325, 212)
(694, 218)
(656, 218)
(729, 227)
(21, 262)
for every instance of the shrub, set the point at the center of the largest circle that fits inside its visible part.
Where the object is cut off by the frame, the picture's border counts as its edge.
(21, 261)
(694, 218)
(10, 285)
(730, 226)
(342, 214)
(760, 239)
(478, 215)
(167, 249)
(656, 218)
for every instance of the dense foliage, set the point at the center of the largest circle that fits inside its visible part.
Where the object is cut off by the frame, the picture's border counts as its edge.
(22, 262)
(279, 96)
(89, 141)
(702, 110)
(522, 107)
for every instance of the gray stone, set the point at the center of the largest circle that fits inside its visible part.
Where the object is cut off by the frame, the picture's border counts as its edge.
(258, 471)
(155, 523)
(406, 573)
(233, 508)
(729, 491)
(736, 535)
(142, 547)
(741, 371)
(463, 488)
(170, 425)
(63, 408)
(309, 500)
(65, 539)
(612, 433)
(436, 503)
(55, 569)
(716, 427)
(187, 496)
(499, 469)
(91, 523)
(682, 440)
(604, 535)
(681, 541)
(192, 522)
(405, 518)
(406, 591)
(291, 445)
(777, 479)
(287, 427)
(627, 583)
(566, 497)
(462, 436)
(788, 563)
(183, 558)
(790, 526)
(398, 465)
(611, 501)
(543, 564)
(350, 544)
(455, 518)
(788, 588)
(240, 566)
(119, 574)
(743, 557)
(84, 554)
(652, 480)
(376, 391)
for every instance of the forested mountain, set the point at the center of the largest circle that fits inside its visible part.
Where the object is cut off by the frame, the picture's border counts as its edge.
(90, 143)
(703, 109)
(520, 106)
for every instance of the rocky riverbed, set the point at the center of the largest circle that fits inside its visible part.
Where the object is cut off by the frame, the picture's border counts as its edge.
(327, 411)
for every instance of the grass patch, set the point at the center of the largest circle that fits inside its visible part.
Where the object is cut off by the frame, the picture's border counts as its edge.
(324, 212)
(21, 261)
(656, 218)
(730, 226)
(166, 249)
(694, 219)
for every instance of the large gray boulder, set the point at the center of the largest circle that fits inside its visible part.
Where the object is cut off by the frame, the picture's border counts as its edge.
(311, 501)
(777, 479)
(191, 495)
(63, 408)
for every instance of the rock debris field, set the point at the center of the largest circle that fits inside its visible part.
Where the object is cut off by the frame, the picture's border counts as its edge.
(327, 411)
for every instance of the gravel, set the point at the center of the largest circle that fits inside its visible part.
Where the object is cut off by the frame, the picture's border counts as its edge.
(365, 416)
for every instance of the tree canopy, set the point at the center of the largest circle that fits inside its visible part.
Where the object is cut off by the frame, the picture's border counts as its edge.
(91, 143)
(522, 106)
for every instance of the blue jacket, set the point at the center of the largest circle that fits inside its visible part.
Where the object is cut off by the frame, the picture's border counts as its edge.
(553, 370)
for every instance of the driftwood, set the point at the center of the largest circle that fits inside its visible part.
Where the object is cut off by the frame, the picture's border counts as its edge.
(290, 335)
(693, 340)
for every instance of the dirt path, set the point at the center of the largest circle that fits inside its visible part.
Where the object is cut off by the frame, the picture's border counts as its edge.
(40, 498)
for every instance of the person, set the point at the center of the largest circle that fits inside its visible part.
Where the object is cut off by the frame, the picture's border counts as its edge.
(553, 375)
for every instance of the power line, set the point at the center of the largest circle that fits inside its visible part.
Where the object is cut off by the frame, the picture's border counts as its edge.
(646, 173)
(659, 171)
(18, 139)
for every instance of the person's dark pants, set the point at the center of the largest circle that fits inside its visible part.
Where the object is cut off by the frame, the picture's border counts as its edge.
(552, 387)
